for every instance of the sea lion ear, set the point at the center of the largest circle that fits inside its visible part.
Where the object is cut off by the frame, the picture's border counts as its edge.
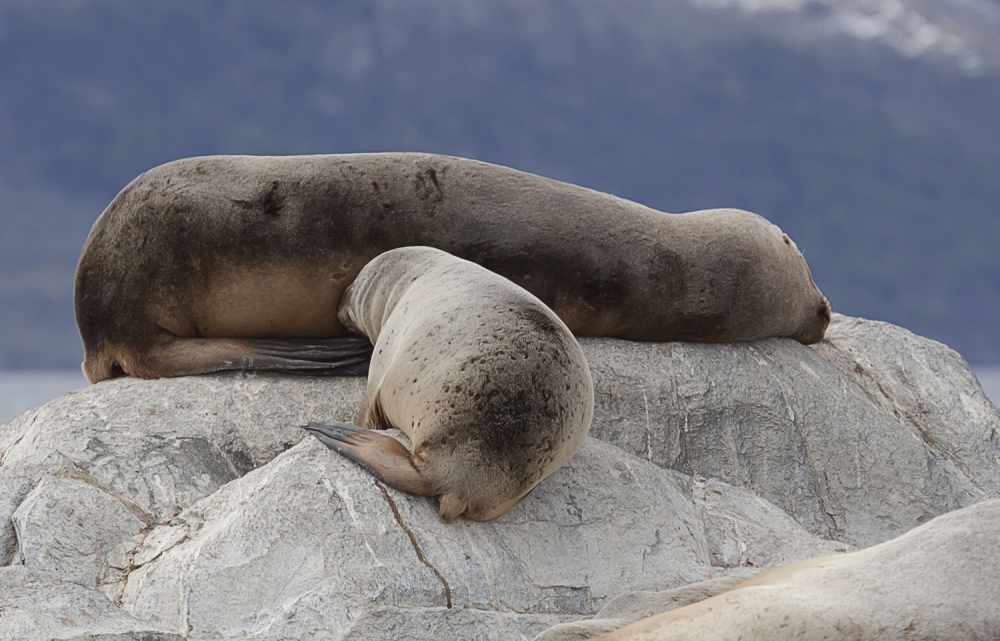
(451, 506)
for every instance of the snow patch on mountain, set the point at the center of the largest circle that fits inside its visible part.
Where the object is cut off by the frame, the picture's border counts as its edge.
(964, 31)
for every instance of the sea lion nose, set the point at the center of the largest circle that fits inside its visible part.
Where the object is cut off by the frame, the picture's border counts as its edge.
(824, 311)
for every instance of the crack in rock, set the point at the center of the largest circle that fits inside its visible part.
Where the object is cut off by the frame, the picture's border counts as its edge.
(79, 473)
(413, 542)
(830, 518)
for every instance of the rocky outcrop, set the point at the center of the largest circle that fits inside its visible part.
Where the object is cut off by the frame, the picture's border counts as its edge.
(159, 446)
(43, 605)
(861, 438)
(196, 507)
(517, 572)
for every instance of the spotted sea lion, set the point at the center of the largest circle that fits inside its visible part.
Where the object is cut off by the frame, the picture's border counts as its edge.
(489, 384)
(937, 582)
(215, 263)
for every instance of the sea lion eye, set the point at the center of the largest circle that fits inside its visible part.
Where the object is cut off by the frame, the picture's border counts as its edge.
(788, 241)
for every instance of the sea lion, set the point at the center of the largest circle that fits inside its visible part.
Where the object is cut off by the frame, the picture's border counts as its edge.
(197, 260)
(489, 384)
(937, 582)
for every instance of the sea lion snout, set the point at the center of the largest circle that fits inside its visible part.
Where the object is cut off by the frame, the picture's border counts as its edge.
(814, 327)
(824, 312)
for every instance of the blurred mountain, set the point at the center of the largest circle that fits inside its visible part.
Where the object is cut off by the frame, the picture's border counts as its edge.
(868, 129)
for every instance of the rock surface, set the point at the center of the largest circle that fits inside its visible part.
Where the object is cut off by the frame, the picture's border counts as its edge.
(69, 527)
(35, 604)
(634, 606)
(159, 446)
(606, 522)
(185, 507)
(836, 435)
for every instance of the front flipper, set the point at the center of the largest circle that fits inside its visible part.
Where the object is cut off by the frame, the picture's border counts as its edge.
(382, 455)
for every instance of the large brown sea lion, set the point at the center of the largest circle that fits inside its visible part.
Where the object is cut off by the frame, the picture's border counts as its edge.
(491, 387)
(213, 263)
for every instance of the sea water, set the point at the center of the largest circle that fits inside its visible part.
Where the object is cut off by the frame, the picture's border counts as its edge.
(22, 390)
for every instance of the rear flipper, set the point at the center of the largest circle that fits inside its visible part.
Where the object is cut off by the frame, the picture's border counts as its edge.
(382, 455)
(347, 356)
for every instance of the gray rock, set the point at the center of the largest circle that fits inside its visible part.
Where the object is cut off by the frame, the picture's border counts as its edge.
(629, 608)
(342, 552)
(36, 604)
(745, 535)
(717, 461)
(938, 581)
(926, 385)
(639, 605)
(129, 636)
(779, 419)
(161, 445)
(745, 530)
(70, 527)
(13, 489)
(580, 630)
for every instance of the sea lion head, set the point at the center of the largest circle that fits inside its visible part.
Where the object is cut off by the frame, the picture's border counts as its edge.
(477, 486)
(813, 308)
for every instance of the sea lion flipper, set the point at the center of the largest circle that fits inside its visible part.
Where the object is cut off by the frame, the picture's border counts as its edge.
(345, 356)
(382, 455)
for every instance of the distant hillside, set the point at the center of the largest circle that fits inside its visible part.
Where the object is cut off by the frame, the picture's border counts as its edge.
(867, 130)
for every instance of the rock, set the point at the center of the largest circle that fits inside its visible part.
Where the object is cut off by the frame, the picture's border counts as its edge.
(343, 552)
(580, 630)
(927, 386)
(129, 636)
(777, 418)
(936, 582)
(197, 509)
(70, 527)
(37, 604)
(13, 489)
(745, 530)
(634, 606)
(745, 533)
(161, 445)
(639, 605)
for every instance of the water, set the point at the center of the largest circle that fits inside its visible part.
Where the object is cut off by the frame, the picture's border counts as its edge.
(23, 390)
(990, 378)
